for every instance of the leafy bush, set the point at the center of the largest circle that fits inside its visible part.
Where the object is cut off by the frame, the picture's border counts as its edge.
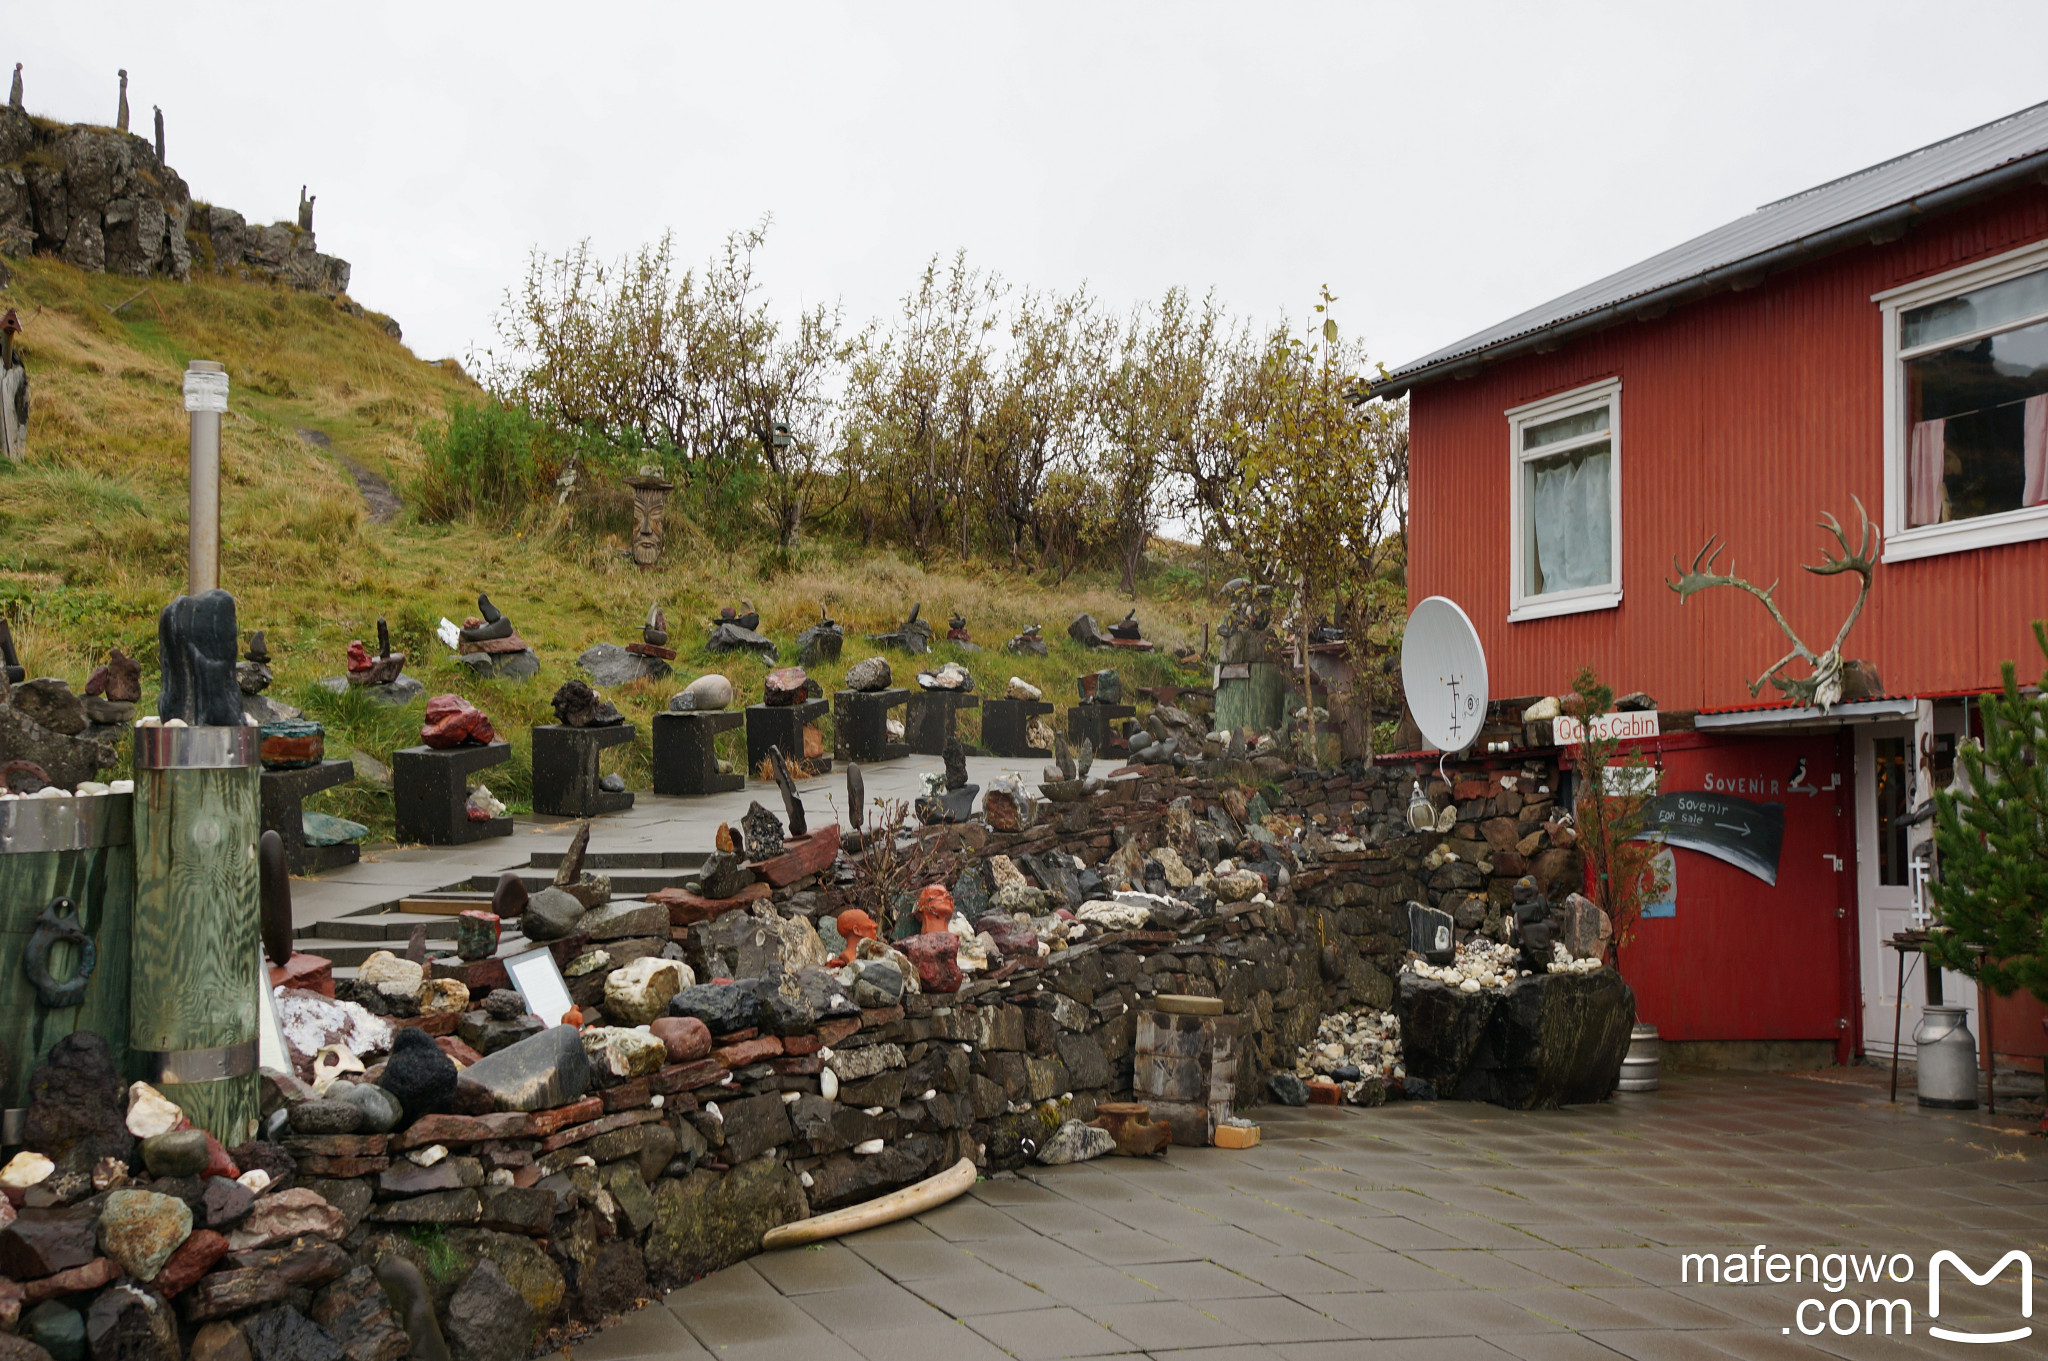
(486, 460)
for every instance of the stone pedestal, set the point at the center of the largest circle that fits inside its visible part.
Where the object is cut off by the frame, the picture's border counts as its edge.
(283, 793)
(782, 725)
(1005, 724)
(565, 769)
(1185, 1069)
(1092, 722)
(430, 788)
(931, 718)
(685, 762)
(859, 725)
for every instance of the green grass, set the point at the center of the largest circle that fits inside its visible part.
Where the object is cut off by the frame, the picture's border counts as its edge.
(93, 534)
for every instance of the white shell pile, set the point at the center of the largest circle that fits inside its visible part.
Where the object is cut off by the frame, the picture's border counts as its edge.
(1480, 963)
(1561, 961)
(1369, 1041)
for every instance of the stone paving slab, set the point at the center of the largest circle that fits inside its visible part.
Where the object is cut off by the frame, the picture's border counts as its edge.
(1439, 1231)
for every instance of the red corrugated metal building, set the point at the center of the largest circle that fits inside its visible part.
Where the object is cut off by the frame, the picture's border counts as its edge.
(1883, 337)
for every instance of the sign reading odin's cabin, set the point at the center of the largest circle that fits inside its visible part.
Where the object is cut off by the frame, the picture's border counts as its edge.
(1567, 731)
(1746, 835)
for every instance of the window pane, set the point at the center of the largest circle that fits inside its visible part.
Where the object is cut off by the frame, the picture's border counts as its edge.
(2009, 301)
(1977, 427)
(1889, 755)
(1563, 428)
(1569, 520)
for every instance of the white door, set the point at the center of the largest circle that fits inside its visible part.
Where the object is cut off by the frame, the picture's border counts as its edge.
(1890, 785)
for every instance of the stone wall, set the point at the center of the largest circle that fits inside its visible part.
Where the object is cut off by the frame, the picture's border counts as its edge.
(101, 200)
(666, 1156)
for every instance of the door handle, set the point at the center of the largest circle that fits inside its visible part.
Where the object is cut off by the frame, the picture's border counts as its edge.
(1836, 859)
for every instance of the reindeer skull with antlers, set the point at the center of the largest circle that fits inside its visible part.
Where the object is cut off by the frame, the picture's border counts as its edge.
(1833, 679)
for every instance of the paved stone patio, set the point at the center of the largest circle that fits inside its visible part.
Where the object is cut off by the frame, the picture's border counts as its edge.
(1442, 1231)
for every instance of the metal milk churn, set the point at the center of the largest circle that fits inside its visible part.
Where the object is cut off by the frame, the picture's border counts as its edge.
(1947, 1058)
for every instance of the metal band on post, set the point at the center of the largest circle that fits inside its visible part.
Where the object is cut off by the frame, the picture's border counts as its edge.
(160, 748)
(28, 826)
(199, 1065)
(206, 398)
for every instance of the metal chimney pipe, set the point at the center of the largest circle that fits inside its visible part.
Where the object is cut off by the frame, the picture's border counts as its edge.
(206, 398)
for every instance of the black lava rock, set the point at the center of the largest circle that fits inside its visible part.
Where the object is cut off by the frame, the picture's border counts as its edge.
(419, 1075)
(77, 1112)
(722, 1007)
(1288, 1089)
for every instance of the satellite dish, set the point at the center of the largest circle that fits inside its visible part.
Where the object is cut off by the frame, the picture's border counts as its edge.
(1443, 674)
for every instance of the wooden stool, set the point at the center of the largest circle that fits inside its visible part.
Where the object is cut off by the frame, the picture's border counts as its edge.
(430, 793)
(860, 729)
(685, 758)
(782, 726)
(929, 721)
(1006, 723)
(283, 793)
(565, 769)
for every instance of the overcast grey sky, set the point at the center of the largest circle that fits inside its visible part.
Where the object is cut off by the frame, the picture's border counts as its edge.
(1440, 166)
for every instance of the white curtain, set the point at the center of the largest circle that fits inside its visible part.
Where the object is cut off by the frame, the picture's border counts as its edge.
(1926, 472)
(1572, 515)
(2035, 451)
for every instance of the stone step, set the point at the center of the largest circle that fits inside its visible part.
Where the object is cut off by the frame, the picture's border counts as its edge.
(383, 926)
(606, 861)
(346, 954)
(624, 883)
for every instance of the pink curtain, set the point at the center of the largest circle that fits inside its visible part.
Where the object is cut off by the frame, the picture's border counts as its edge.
(2035, 450)
(1925, 472)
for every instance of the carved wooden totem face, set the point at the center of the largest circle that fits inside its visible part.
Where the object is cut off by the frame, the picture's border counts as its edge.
(647, 506)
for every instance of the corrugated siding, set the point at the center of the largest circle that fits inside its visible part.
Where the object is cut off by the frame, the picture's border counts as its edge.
(1745, 415)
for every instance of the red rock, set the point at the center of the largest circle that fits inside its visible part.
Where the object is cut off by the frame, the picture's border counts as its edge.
(937, 956)
(576, 1134)
(218, 1163)
(999, 806)
(94, 1274)
(832, 1032)
(667, 654)
(462, 1129)
(543, 1123)
(801, 857)
(683, 1077)
(687, 1037)
(11, 1297)
(687, 909)
(1325, 1094)
(457, 1050)
(312, 973)
(439, 1024)
(453, 721)
(193, 1259)
(735, 1056)
(797, 1045)
(627, 1096)
(808, 1065)
(282, 749)
(786, 687)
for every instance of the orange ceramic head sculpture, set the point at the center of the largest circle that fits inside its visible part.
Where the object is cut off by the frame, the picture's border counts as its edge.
(934, 909)
(856, 926)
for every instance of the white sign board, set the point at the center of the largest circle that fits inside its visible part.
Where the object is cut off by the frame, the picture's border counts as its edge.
(1567, 731)
(538, 980)
(206, 391)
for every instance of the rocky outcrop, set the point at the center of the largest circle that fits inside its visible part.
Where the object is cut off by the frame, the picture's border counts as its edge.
(102, 201)
(1545, 1041)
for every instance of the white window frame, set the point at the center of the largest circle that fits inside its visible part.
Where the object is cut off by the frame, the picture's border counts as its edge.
(1521, 605)
(1901, 542)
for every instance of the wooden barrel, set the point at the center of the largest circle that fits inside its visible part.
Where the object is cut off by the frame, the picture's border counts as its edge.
(193, 997)
(83, 849)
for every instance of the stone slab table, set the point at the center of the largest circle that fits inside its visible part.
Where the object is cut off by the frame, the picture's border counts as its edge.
(430, 788)
(685, 755)
(931, 718)
(782, 725)
(1092, 722)
(860, 730)
(1006, 723)
(283, 793)
(565, 769)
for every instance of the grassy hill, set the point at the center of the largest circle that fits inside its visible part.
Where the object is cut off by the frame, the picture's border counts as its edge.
(93, 529)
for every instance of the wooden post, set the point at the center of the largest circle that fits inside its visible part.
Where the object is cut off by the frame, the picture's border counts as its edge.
(192, 998)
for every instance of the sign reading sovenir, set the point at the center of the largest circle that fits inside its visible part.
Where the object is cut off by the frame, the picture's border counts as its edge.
(1567, 731)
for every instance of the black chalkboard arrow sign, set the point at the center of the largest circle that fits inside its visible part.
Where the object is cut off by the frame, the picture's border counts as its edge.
(1746, 835)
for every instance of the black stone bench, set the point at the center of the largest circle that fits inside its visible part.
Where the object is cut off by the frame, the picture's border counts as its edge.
(430, 793)
(284, 791)
(930, 720)
(860, 729)
(1006, 725)
(685, 755)
(565, 770)
(782, 726)
(1091, 722)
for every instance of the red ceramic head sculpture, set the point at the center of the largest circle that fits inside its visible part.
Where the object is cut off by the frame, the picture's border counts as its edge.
(934, 909)
(856, 926)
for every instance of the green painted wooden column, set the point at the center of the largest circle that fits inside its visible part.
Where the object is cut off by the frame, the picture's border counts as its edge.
(77, 848)
(192, 1001)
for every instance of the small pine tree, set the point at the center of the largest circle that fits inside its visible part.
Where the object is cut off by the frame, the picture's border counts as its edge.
(1991, 839)
(1622, 856)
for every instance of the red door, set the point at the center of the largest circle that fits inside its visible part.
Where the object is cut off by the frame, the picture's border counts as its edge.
(1740, 958)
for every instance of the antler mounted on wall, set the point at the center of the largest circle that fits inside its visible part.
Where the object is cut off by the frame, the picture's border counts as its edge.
(1832, 679)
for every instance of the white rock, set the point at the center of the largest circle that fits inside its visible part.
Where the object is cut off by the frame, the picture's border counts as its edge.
(1019, 688)
(384, 968)
(828, 1085)
(805, 1180)
(500, 1177)
(256, 1180)
(1541, 711)
(640, 992)
(151, 1113)
(1469, 985)
(867, 1147)
(25, 1169)
(428, 1156)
